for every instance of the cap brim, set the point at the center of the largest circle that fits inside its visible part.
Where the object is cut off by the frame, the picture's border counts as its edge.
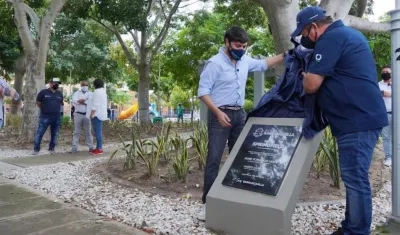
(297, 32)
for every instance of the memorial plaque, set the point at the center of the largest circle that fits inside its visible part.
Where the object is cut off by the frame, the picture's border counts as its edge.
(258, 186)
(263, 158)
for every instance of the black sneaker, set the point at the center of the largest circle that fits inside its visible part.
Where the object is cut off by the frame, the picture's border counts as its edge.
(338, 232)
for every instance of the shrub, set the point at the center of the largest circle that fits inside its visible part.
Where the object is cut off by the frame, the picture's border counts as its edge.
(13, 121)
(129, 149)
(200, 142)
(181, 162)
(248, 105)
(328, 156)
(65, 121)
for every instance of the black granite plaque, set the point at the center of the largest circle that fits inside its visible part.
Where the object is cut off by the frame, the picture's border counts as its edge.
(263, 159)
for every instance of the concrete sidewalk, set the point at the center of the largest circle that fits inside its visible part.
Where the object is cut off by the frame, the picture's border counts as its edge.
(26, 212)
(56, 158)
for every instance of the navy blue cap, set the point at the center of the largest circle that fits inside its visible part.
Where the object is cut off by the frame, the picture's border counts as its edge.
(306, 17)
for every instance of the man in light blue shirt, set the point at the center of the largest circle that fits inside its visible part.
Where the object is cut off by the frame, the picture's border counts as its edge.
(222, 89)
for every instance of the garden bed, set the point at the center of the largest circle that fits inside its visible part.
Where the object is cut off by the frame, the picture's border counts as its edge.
(166, 183)
(111, 132)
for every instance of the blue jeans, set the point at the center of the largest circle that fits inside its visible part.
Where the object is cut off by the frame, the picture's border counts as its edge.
(387, 138)
(1, 123)
(97, 125)
(217, 137)
(44, 122)
(355, 155)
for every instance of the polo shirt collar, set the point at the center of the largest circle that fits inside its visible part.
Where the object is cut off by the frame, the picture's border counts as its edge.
(336, 24)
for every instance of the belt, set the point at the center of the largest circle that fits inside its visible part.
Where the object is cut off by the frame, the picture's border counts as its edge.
(81, 113)
(235, 108)
(390, 112)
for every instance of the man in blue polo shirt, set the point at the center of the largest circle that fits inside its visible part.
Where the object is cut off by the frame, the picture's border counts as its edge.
(49, 101)
(343, 74)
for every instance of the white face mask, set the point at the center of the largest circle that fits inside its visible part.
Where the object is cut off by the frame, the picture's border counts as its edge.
(85, 88)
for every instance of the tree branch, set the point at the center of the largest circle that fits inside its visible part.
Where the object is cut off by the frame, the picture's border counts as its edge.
(365, 25)
(34, 17)
(128, 54)
(164, 30)
(23, 28)
(45, 29)
(361, 6)
(135, 38)
(155, 22)
(102, 24)
(338, 9)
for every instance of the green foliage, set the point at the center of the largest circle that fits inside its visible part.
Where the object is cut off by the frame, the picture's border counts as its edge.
(180, 96)
(200, 143)
(328, 157)
(248, 105)
(181, 162)
(13, 121)
(129, 149)
(151, 151)
(130, 13)
(80, 48)
(66, 121)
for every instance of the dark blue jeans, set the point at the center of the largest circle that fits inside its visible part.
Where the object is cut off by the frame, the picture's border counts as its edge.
(355, 156)
(217, 137)
(44, 122)
(97, 125)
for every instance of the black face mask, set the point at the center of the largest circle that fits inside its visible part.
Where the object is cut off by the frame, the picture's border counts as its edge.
(386, 76)
(55, 86)
(307, 42)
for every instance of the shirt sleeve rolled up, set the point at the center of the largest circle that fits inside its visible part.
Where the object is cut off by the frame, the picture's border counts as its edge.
(207, 78)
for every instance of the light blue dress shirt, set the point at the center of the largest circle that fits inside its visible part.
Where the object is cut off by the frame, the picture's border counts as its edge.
(224, 82)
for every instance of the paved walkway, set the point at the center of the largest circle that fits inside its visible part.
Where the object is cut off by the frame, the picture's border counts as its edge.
(26, 212)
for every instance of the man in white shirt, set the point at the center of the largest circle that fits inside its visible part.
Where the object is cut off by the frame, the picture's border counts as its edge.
(97, 112)
(386, 88)
(80, 100)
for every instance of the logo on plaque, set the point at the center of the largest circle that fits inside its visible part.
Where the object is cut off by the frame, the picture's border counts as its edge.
(263, 159)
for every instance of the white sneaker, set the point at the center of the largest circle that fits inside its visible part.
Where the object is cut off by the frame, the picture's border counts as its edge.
(202, 213)
(388, 162)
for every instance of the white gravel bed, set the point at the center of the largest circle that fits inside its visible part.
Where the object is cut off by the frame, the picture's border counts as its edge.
(74, 182)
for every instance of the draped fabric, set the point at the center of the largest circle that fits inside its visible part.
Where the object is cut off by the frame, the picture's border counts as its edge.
(287, 99)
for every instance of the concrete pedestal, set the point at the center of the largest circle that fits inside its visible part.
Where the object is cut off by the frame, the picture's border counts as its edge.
(238, 210)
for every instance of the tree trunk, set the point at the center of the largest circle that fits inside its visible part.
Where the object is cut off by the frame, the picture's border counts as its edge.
(18, 82)
(143, 90)
(282, 19)
(34, 83)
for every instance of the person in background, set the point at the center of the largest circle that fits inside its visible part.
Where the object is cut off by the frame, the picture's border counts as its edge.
(5, 90)
(49, 101)
(386, 89)
(222, 90)
(179, 112)
(80, 99)
(97, 112)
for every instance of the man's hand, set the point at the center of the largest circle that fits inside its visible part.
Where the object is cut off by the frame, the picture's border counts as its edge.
(223, 119)
(81, 101)
(387, 94)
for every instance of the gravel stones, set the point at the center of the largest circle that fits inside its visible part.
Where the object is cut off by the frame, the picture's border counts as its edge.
(75, 183)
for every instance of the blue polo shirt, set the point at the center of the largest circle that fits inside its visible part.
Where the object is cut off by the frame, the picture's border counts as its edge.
(349, 95)
(50, 102)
